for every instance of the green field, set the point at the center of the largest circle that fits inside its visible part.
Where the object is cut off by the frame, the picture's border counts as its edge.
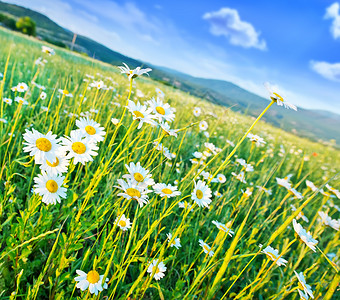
(42, 246)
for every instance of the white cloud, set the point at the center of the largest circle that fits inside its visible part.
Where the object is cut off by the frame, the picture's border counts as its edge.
(332, 12)
(327, 70)
(227, 22)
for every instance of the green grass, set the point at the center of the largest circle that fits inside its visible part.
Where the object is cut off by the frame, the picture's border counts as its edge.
(43, 246)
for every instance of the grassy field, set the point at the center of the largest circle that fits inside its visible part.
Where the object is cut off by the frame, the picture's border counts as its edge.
(43, 246)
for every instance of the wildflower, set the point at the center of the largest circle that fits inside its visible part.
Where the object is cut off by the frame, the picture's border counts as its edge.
(248, 192)
(300, 215)
(303, 285)
(21, 87)
(166, 129)
(91, 280)
(303, 295)
(66, 93)
(80, 148)
(333, 190)
(8, 101)
(165, 190)
(267, 191)
(162, 111)
(131, 74)
(175, 243)
(58, 167)
(164, 149)
(311, 186)
(42, 147)
(273, 254)
(160, 93)
(305, 236)
(247, 167)
(157, 268)
(139, 175)
(47, 50)
(328, 221)
(98, 84)
(133, 191)
(240, 176)
(123, 222)
(296, 194)
(197, 111)
(218, 194)
(284, 182)
(185, 205)
(230, 143)
(223, 227)
(201, 194)
(141, 113)
(20, 100)
(91, 129)
(115, 121)
(203, 125)
(43, 95)
(326, 194)
(256, 139)
(277, 98)
(220, 178)
(50, 187)
(206, 248)
(3, 121)
(40, 61)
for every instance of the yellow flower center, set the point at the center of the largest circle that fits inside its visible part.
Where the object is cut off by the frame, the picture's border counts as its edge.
(278, 96)
(138, 177)
(199, 194)
(90, 130)
(65, 92)
(133, 193)
(206, 247)
(93, 277)
(51, 186)
(54, 164)
(301, 286)
(160, 110)
(21, 87)
(78, 147)
(122, 223)
(223, 227)
(43, 144)
(167, 191)
(157, 271)
(138, 114)
(272, 256)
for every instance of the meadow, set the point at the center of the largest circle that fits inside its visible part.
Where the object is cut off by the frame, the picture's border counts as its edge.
(166, 199)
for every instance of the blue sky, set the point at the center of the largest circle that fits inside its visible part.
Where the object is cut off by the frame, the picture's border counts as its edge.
(294, 44)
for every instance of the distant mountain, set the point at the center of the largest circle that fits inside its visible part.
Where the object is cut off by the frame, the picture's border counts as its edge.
(309, 123)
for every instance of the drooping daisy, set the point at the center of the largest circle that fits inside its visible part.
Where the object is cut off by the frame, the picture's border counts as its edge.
(303, 295)
(300, 215)
(311, 185)
(162, 111)
(141, 113)
(123, 222)
(115, 121)
(201, 194)
(139, 175)
(284, 183)
(185, 205)
(91, 129)
(131, 74)
(8, 101)
(42, 147)
(240, 176)
(223, 227)
(80, 148)
(158, 268)
(247, 193)
(267, 191)
(328, 221)
(166, 190)
(295, 193)
(206, 248)
(230, 143)
(277, 98)
(203, 125)
(58, 167)
(197, 111)
(333, 190)
(47, 50)
(21, 100)
(303, 285)
(91, 280)
(175, 243)
(133, 191)
(166, 129)
(50, 187)
(273, 254)
(305, 236)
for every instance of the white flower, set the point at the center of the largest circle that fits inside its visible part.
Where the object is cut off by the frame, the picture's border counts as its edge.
(175, 243)
(303, 285)
(139, 175)
(58, 167)
(91, 280)
(221, 178)
(42, 147)
(3, 121)
(328, 221)
(303, 295)
(333, 190)
(284, 182)
(160, 93)
(297, 194)
(165, 190)
(7, 100)
(43, 95)
(47, 50)
(98, 84)
(115, 121)
(21, 100)
(80, 148)
(141, 113)
(305, 236)
(311, 185)
(277, 98)
(230, 143)
(218, 194)
(162, 111)
(131, 74)
(223, 227)
(66, 93)
(206, 248)
(273, 254)
(123, 222)
(240, 176)
(201, 194)
(300, 215)
(256, 139)
(267, 191)
(50, 187)
(203, 125)
(158, 268)
(166, 128)
(91, 129)
(185, 205)
(133, 191)
(197, 111)
(22, 87)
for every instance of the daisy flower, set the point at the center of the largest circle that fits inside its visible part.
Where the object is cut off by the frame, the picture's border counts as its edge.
(157, 268)
(131, 74)
(256, 139)
(166, 129)
(160, 93)
(98, 84)
(50, 187)
(197, 111)
(123, 222)
(203, 125)
(58, 167)
(303, 285)
(303, 295)
(185, 205)
(223, 227)
(284, 183)
(80, 148)
(300, 215)
(240, 176)
(201, 194)
(22, 87)
(175, 243)
(162, 111)
(305, 236)
(115, 121)
(47, 50)
(42, 147)
(218, 194)
(3, 121)
(91, 280)
(277, 98)
(206, 248)
(328, 221)
(219, 178)
(91, 129)
(21, 100)
(8, 101)
(141, 113)
(311, 185)
(166, 190)
(133, 191)
(43, 95)
(273, 254)
(139, 175)
(66, 93)
(267, 191)
(333, 190)
(230, 143)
